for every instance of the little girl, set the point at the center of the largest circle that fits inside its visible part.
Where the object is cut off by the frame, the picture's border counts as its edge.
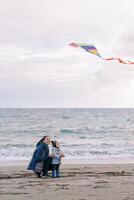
(56, 159)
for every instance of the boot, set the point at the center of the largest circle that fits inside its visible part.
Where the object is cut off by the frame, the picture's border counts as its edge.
(54, 173)
(57, 173)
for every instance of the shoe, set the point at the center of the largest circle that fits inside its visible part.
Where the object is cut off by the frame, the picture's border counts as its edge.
(38, 175)
(57, 173)
(46, 175)
(54, 174)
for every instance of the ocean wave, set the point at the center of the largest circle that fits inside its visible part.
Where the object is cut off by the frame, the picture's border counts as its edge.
(68, 131)
(83, 133)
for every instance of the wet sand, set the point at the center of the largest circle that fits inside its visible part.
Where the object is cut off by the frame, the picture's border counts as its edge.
(77, 182)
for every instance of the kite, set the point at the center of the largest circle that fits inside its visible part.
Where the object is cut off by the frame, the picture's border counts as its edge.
(92, 49)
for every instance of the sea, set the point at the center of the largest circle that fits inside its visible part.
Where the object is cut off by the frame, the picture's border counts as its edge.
(83, 133)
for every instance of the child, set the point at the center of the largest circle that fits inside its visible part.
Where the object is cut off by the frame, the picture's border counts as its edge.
(56, 159)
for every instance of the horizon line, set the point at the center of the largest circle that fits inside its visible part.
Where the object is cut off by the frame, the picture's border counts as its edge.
(66, 107)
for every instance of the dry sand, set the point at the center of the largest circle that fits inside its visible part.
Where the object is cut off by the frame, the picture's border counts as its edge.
(78, 182)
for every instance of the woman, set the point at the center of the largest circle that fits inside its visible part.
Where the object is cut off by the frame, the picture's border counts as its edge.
(40, 157)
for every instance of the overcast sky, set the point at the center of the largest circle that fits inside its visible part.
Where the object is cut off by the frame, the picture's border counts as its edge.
(39, 69)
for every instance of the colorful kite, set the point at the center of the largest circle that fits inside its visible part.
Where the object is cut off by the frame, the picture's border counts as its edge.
(92, 49)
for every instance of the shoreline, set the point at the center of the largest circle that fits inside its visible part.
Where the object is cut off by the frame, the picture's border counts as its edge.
(113, 161)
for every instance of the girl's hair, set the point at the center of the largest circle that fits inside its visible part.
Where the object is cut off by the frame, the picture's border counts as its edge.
(53, 143)
(41, 141)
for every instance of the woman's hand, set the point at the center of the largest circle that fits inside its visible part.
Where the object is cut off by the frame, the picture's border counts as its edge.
(51, 155)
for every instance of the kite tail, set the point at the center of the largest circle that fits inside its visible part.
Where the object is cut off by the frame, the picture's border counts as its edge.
(120, 60)
(73, 44)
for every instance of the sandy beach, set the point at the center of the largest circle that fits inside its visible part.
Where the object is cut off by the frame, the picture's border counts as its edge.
(78, 182)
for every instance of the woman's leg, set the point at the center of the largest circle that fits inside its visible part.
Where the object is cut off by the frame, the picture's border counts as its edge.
(46, 167)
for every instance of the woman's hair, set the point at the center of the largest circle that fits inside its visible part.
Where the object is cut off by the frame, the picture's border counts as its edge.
(53, 143)
(41, 141)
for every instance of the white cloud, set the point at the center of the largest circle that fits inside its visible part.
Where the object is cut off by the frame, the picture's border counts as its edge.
(39, 68)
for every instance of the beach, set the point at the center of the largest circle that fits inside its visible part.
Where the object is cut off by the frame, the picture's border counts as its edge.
(77, 182)
(98, 146)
